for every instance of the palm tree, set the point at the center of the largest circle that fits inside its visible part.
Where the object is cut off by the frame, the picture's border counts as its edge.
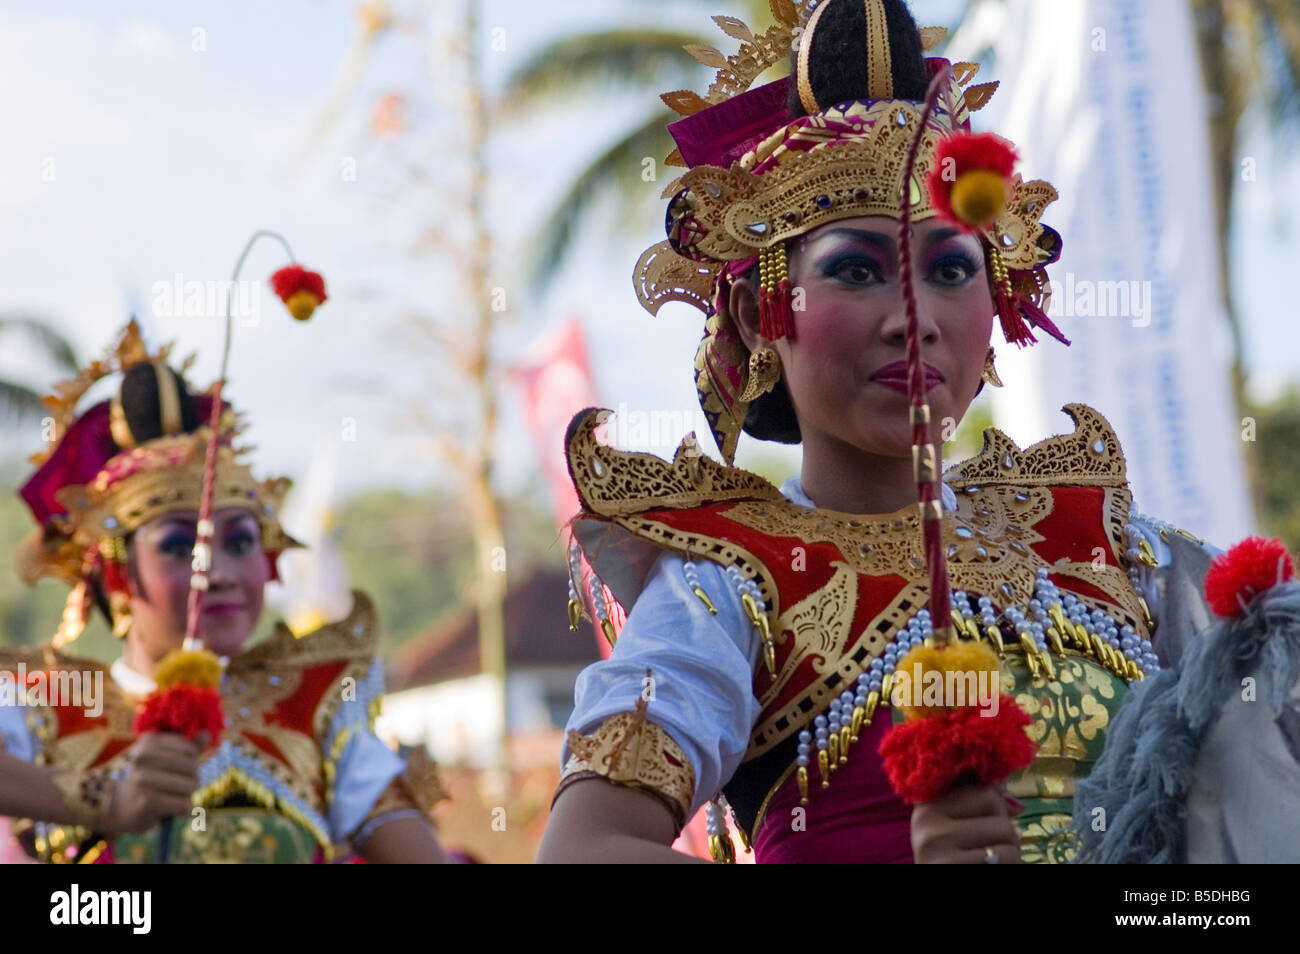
(635, 58)
(1250, 53)
(20, 403)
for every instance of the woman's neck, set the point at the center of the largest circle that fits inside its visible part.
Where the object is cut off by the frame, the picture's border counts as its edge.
(138, 658)
(838, 476)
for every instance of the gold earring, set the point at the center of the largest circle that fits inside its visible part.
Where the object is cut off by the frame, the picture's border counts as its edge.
(120, 604)
(990, 373)
(764, 372)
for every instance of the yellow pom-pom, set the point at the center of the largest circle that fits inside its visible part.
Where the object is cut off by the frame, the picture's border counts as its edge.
(918, 694)
(978, 196)
(188, 667)
(301, 304)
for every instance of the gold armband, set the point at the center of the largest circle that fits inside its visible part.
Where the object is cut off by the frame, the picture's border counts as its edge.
(626, 749)
(418, 787)
(88, 795)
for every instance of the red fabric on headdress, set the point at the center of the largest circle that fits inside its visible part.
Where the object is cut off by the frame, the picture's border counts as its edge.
(80, 455)
(721, 134)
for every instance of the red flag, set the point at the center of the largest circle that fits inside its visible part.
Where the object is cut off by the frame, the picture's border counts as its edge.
(556, 385)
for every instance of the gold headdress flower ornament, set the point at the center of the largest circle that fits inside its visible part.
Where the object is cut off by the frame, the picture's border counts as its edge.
(757, 177)
(98, 483)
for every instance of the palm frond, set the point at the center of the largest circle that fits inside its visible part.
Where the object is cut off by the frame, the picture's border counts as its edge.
(616, 171)
(635, 57)
(1279, 32)
(19, 404)
(48, 338)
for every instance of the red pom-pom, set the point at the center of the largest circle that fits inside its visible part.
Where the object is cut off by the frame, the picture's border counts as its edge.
(1249, 568)
(924, 757)
(959, 154)
(188, 710)
(294, 278)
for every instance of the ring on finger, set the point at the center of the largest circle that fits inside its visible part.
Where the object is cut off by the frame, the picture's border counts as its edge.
(990, 856)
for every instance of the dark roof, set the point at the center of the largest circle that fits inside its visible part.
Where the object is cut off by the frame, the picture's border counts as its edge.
(537, 633)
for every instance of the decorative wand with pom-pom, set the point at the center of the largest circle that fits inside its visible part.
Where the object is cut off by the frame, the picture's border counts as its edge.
(187, 699)
(938, 746)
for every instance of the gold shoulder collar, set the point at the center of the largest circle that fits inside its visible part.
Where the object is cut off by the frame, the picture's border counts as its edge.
(616, 483)
(356, 636)
(1089, 456)
(44, 657)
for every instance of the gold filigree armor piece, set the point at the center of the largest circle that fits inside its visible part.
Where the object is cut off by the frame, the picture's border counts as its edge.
(627, 749)
(87, 794)
(614, 482)
(1091, 454)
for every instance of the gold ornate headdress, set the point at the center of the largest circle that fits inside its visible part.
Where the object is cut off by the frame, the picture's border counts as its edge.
(758, 177)
(98, 484)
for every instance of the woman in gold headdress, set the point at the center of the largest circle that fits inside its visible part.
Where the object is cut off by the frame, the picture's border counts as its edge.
(297, 773)
(756, 667)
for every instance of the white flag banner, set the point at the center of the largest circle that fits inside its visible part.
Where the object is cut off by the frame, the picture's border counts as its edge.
(1103, 99)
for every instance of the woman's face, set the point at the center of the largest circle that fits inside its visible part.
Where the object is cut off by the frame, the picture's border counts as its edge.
(161, 552)
(853, 323)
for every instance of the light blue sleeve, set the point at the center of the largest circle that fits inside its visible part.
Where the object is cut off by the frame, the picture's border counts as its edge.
(366, 765)
(15, 738)
(1145, 579)
(702, 667)
(1174, 587)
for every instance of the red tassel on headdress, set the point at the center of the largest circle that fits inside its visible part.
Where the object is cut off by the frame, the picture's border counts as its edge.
(775, 314)
(1013, 323)
(115, 577)
(775, 306)
(1038, 318)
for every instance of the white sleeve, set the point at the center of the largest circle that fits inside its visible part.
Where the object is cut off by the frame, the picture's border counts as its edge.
(365, 765)
(701, 665)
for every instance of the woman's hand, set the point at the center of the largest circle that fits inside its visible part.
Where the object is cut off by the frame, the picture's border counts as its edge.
(161, 774)
(957, 828)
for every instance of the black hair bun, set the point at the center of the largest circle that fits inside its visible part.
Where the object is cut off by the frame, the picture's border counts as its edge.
(142, 406)
(837, 62)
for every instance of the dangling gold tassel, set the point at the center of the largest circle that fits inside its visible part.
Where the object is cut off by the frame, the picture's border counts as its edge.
(775, 311)
(120, 604)
(74, 616)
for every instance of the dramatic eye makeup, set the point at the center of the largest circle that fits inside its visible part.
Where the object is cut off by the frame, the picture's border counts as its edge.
(176, 538)
(953, 266)
(852, 267)
(855, 256)
(865, 257)
(240, 536)
(948, 258)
